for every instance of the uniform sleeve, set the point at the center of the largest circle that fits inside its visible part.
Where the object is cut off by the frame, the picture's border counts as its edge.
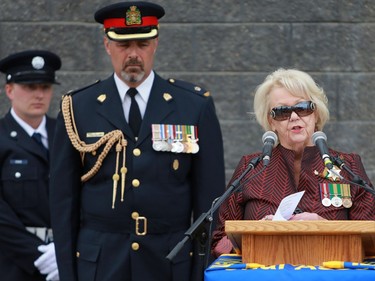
(16, 243)
(65, 189)
(208, 174)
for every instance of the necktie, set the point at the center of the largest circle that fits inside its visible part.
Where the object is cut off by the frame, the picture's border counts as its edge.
(135, 118)
(37, 137)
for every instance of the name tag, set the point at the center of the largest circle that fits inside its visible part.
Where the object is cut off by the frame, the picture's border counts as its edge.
(18, 161)
(94, 134)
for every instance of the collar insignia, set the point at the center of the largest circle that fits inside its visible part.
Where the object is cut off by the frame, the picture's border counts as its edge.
(102, 98)
(167, 96)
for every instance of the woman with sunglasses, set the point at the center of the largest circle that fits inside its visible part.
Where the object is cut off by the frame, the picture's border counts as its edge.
(293, 106)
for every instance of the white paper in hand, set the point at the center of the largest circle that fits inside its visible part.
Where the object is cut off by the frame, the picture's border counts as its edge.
(287, 206)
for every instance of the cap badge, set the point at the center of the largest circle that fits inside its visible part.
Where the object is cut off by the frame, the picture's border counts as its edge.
(37, 62)
(133, 16)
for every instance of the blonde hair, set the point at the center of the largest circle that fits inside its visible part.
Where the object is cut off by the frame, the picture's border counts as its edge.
(299, 84)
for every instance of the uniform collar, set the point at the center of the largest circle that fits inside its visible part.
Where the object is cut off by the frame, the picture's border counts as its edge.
(30, 130)
(144, 89)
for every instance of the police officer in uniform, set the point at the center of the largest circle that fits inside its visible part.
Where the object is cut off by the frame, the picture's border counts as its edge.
(135, 159)
(26, 242)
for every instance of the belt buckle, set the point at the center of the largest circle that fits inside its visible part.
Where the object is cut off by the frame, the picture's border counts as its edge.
(137, 223)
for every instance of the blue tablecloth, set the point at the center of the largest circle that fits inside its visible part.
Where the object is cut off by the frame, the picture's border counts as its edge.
(230, 268)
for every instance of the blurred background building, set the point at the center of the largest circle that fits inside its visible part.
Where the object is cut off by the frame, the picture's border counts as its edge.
(228, 47)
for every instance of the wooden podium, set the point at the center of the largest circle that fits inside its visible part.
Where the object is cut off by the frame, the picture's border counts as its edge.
(302, 242)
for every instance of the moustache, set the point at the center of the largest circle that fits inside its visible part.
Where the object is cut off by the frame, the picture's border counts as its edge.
(133, 62)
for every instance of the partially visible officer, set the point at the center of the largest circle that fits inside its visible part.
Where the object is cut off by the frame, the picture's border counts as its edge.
(26, 248)
(135, 158)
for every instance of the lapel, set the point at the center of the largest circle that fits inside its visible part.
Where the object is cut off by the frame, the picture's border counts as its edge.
(50, 125)
(158, 108)
(17, 134)
(111, 107)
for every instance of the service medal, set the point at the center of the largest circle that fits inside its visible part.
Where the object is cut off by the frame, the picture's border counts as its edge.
(326, 202)
(157, 145)
(324, 194)
(179, 147)
(194, 147)
(187, 148)
(346, 197)
(165, 146)
(336, 201)
(347, 203)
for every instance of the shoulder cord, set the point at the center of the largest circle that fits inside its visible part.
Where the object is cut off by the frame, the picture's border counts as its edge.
(109, 139)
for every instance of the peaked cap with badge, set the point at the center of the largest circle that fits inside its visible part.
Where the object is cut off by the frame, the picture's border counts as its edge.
(130, 20)
(24, 174)
(31, 67)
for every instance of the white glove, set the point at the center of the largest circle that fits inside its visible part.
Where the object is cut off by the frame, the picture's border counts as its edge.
(46, 263)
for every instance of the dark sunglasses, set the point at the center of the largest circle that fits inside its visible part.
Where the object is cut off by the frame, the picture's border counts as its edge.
(302, 109)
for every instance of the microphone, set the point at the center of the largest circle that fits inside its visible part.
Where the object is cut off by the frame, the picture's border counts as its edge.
(320, 140)
(269, 140)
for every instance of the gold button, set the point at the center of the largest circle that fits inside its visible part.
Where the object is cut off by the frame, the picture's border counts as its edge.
(191, 254)
(93, 153)
(135, 246)
(175, 164)
(78, 254)
(135, 215)
(135, 183)
(136, 152)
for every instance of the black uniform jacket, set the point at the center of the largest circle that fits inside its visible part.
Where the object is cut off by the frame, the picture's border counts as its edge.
(97, 242)
(23, 199)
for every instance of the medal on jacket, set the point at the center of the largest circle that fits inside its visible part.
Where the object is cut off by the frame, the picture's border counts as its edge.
(177, 145)
(346, 197)
(175, 138)
(335, 189)
(324, 194)
(156, 137)
(193, 139)
(332, 175)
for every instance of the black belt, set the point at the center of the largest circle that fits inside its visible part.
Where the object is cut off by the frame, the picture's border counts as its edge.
(139, 226)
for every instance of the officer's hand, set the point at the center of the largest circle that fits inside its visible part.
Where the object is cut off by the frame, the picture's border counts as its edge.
(46, 263)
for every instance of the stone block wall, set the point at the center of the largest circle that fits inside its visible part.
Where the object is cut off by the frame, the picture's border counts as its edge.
(228, 47)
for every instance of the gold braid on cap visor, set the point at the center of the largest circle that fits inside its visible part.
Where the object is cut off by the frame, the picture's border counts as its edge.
(109, 139)
(131, 36)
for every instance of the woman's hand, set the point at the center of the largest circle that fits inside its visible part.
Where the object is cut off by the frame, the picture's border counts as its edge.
(267, 218)
(305, 216)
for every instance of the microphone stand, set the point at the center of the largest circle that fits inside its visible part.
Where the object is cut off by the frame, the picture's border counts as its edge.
(356, 179)
(197, 227)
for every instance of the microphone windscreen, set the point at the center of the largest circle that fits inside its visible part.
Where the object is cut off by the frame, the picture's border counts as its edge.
(270, 137)
(318, 135)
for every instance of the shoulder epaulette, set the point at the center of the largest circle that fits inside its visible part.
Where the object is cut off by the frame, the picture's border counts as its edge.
(72, 92)
(189, 87)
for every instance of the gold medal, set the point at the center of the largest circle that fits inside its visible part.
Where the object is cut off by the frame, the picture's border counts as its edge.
(347, 203)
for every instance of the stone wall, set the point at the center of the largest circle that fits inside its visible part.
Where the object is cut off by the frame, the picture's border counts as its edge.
(228, 47)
